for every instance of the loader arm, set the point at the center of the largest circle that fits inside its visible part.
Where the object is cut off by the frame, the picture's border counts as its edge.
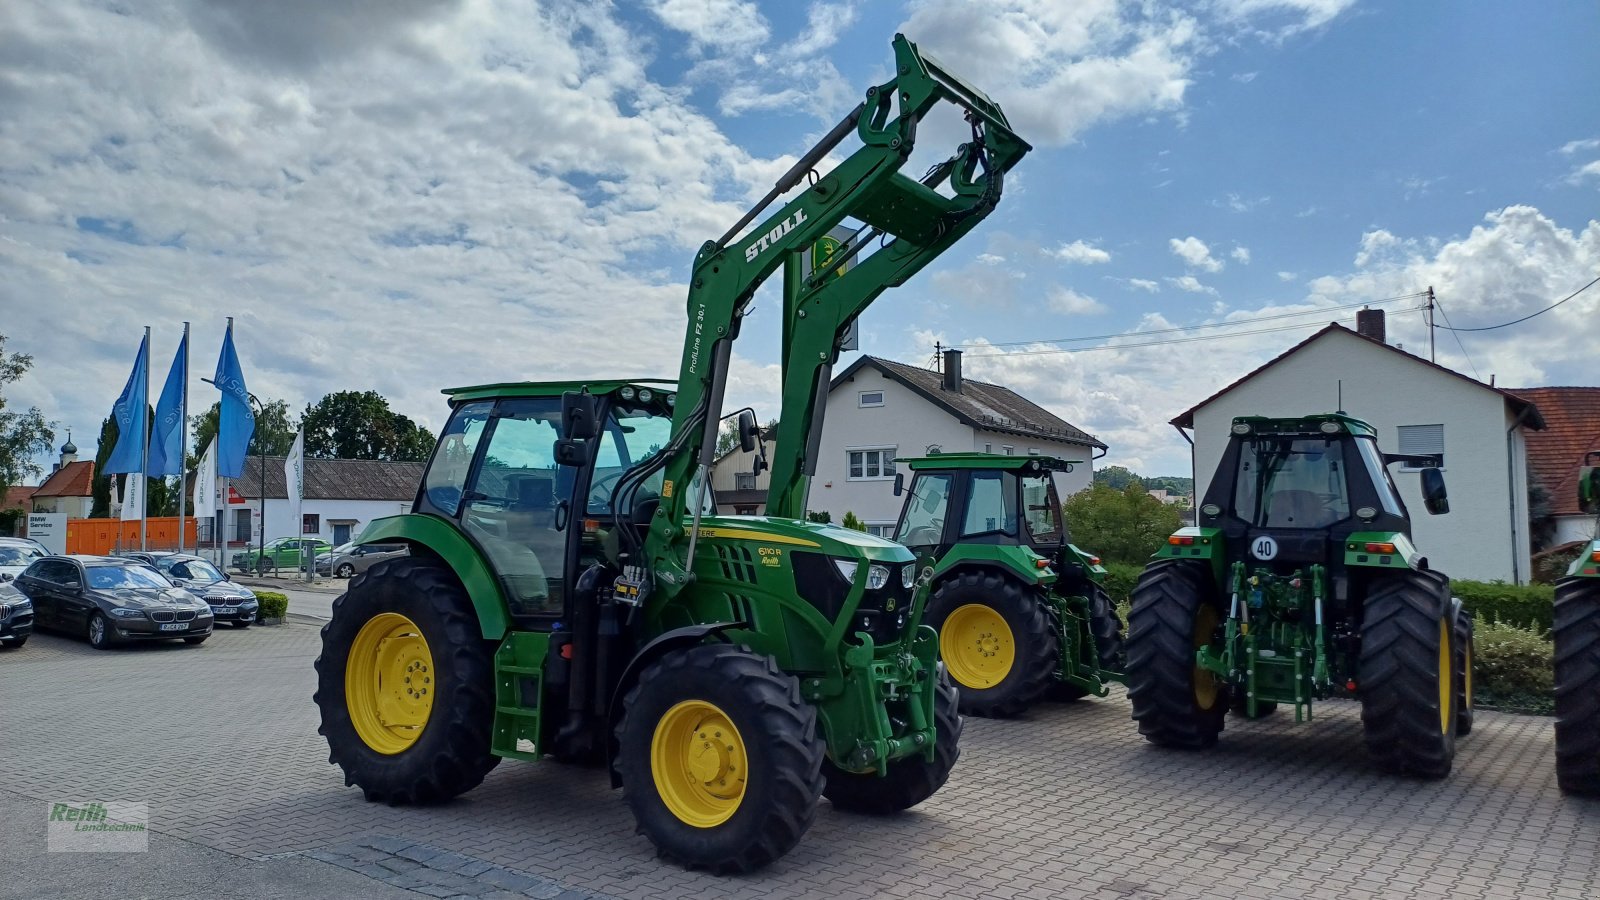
(912, 220)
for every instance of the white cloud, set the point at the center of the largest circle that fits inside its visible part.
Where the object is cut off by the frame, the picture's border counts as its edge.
(1571, 147)
(1191, 284)
(1068, 301)
(1287, 276)
(1585, 172)
(1144, 284)
(1241, 254)
(991, 259)
(825, 22)
(1241, 204)
(1243, 77)
(1080, 252)
(1284, 17)
(714, 23)
(1195, 253)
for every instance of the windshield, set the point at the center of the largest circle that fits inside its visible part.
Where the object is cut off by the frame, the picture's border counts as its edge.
(194, 570)
(631, 436)
(1040, 510)
(1291, 483)
(110, 578)
(1382, 482)
(18, 556)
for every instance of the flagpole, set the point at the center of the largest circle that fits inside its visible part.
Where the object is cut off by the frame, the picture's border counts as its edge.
(222, 501)
(183, 440)
(144, 453)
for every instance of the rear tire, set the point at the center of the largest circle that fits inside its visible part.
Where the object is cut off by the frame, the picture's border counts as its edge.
(996, 641)
(910, 780)
(450, 754)
(1176, 703)
(346, 570)
(1406, 675)
(1577, 639)
(1465, 651)
(703, 806)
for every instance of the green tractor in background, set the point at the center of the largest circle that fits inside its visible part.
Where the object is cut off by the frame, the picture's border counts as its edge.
(565, 593)
(1301, 582)
(1021, 612)
(1577, 640)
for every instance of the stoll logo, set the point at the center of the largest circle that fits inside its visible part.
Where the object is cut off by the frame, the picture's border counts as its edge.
(97, 827)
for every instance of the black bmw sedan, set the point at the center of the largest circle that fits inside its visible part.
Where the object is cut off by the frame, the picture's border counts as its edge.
(111, 601)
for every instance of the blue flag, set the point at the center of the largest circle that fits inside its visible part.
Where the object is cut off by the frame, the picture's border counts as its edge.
(166, 440)
(237, 421)
(131, 415)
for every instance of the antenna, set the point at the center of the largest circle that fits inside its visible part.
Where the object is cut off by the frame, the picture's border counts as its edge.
(1340, 409)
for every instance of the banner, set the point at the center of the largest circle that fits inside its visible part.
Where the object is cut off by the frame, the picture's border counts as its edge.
(237, 421)
(294, 478)
(166, 443)
(131, 413)
(133, 488)
(206, 490)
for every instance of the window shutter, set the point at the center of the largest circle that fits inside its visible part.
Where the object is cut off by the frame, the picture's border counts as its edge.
(1422, 440)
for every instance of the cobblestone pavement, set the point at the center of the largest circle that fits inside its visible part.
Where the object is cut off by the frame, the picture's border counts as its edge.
(221, 741)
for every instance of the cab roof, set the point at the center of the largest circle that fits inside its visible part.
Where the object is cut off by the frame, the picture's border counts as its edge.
(549, 388)
(986, 461)
(1311, 424)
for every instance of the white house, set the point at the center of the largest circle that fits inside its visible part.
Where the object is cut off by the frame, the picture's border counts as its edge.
(735, 485)
(342, 497)
(70, 487)
(1572, 429)
(1417, 407)
(879, 410)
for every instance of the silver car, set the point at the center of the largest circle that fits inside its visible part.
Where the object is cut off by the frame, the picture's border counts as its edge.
(349, 560)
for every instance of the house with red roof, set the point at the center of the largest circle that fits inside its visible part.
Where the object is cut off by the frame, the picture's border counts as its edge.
(1482, 434)
(1572, 429)
(70, 487)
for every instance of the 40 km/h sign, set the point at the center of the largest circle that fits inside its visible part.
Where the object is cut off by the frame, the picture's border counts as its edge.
(1264, 548)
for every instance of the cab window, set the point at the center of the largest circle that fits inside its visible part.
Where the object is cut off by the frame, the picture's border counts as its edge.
(630, 437)
(1041, 509)
(928, 502)
(991, 507)
(511, 507)
(1292, 483)
(452, 458)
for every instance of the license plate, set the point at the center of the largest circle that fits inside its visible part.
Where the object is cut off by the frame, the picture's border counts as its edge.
(175, 626)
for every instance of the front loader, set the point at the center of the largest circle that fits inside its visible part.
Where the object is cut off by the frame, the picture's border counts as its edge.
(1022, 613)
(1577, 652)
(567, 595)
(1300, 583)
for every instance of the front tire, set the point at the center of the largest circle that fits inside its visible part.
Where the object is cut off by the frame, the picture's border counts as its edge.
(1407, 675)
(346, 570)
(910, 780)
(401, 635)
(996, 642)
(14, 643)
(1177, 703)
(720, 758)
(99, 631)
(1577, 639)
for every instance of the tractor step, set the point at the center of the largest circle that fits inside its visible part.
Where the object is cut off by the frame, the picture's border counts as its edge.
(518, 680)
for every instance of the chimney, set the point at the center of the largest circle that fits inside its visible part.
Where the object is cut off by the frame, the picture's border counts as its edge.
(952, 371)
(1369, 323)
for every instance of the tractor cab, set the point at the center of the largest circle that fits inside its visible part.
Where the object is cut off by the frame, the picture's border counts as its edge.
(1291, 492)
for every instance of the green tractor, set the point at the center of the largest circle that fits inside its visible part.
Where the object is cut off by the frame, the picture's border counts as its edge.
(1577, 639)
(1301, 582)
(1021, 612)
(566, 593)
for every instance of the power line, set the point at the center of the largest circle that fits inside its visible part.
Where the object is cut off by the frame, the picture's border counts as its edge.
(1453, 334)
(1181, 340)
(1182, 328)
(1529, 315)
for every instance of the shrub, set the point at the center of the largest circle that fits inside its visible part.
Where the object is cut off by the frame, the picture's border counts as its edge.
(850, 521)
(1527, 605)
(273, 605)
(1513, 668)
(1125, 525)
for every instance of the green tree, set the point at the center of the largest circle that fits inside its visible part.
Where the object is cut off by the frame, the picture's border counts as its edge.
(360, 425)
(101, 488)
(850, 521)
(274, 433)
(823, 517)
(24, 435)
(1114, 477)
(1123, 525)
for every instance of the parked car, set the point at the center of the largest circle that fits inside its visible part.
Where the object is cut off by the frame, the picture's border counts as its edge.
(282, 553)
(348, 560)
(231, 603)
(110, 600)
(16, 616)
(16, 554)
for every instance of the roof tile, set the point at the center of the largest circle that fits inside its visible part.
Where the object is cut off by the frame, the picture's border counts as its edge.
(1572, 420)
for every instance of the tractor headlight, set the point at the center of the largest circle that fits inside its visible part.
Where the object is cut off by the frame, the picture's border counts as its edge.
(672, 400)
(908, 576)
(877, 575)
(645, 395)
(626, 393)
(1241, 428)
(1330, 427)
(847, 568)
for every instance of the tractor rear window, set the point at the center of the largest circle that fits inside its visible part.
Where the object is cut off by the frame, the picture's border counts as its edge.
(1292, 483)
(1041, 512)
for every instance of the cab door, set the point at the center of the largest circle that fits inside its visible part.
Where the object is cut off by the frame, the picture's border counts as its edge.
(925, 516)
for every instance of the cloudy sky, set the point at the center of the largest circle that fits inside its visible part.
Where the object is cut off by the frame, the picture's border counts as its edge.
(403, 195)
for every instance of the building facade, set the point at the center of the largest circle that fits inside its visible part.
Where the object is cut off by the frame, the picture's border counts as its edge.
(70, 487)
(342, 496)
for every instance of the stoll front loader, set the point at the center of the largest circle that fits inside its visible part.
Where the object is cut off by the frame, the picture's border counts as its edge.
(1301, 582)
(1577, 639)
(565, 595)
(1021, 612)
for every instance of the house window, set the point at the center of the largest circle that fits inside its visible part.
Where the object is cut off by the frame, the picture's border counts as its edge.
(870, 465)
(988, 448)
(1033, 451)
(241, 525)
(871, 398)
(1006, 449)
(881, 529)
(744, 481)
(311, 523)
(1422, 440)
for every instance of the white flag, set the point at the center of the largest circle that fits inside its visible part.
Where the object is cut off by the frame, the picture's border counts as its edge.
(205, 484)
(132, 495)
(294, 474)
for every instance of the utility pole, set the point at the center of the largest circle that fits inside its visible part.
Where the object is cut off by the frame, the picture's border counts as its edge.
(1433, 354)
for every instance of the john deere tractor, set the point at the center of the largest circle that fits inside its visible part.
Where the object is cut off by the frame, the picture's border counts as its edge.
(1300, 583)
(1021, 612)
(566, 593)
(1577, 638)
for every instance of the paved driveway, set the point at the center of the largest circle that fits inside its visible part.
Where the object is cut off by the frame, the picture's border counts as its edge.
(221, 741)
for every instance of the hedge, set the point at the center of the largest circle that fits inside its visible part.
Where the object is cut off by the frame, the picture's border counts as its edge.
(1513, 668)
(1530, 605)
(273, 605)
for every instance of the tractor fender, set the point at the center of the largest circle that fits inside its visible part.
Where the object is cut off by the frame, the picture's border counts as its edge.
(1005, 561)
(433, 536)
(658, 647)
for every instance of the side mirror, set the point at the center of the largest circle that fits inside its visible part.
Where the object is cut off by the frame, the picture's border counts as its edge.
(1434, 497)
(899, 483)
(1589, 489)
(578, 414)
(749, 431)
(571, 452)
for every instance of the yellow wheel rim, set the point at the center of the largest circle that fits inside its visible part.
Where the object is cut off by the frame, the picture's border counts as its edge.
(1446, 678)
(1467, 677)
(1205, 681)
(699, 763)
(977, 646)
(389, 683)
